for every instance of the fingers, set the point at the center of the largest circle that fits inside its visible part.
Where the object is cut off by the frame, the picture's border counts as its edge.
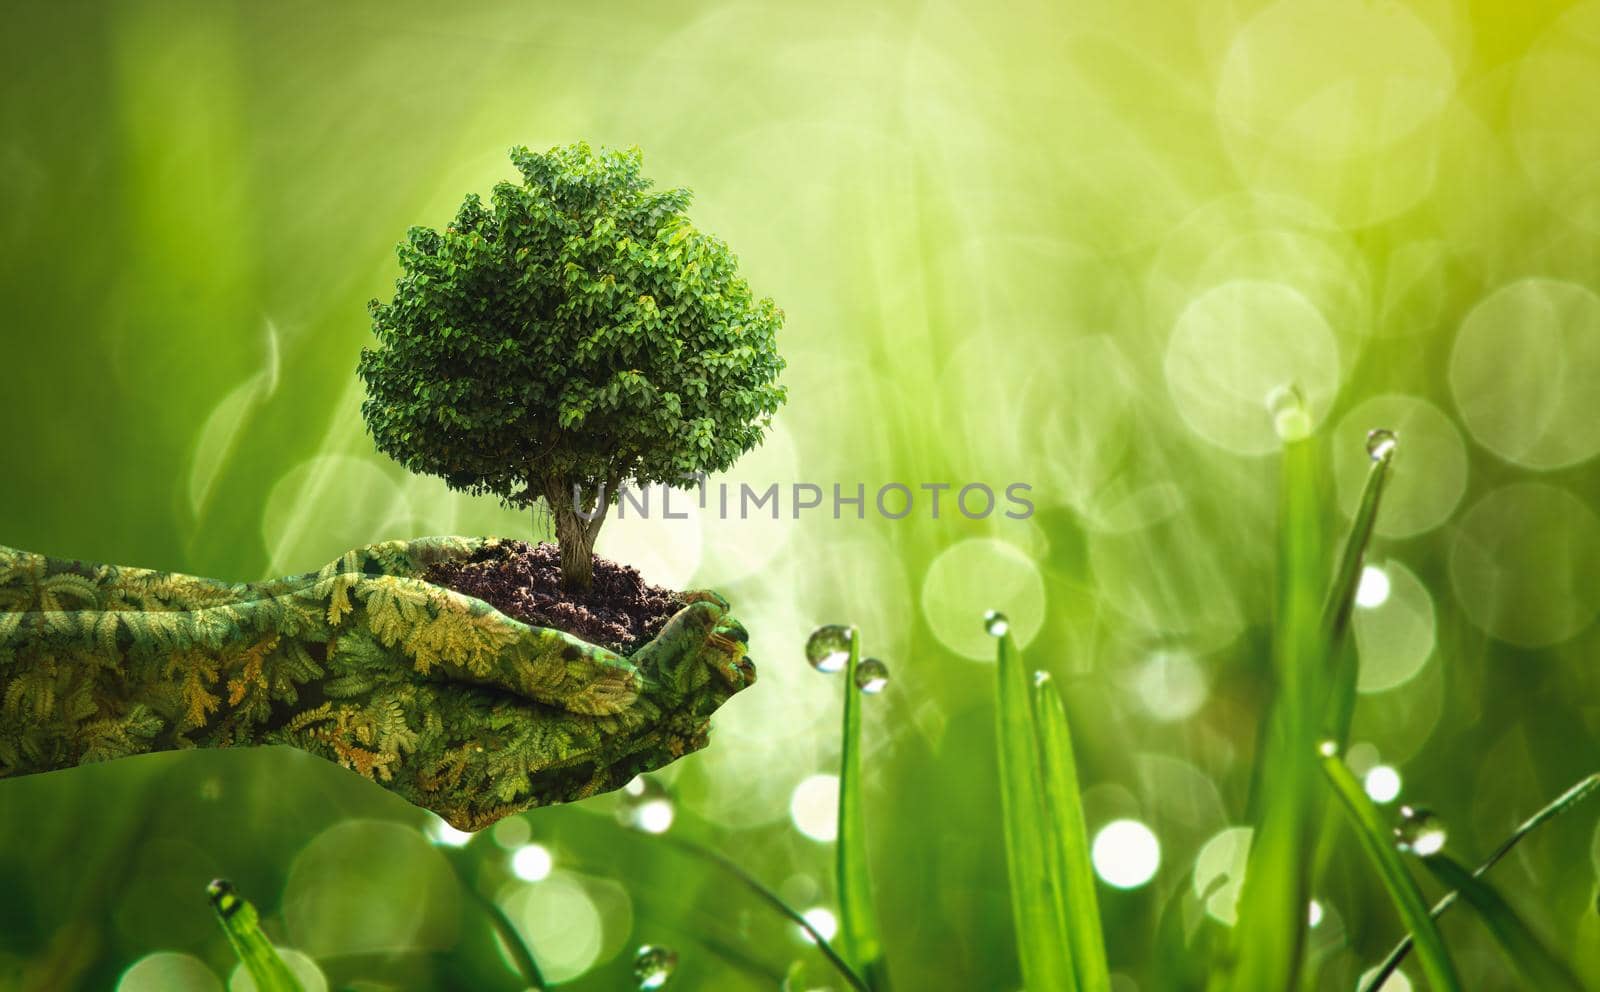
(701, 643)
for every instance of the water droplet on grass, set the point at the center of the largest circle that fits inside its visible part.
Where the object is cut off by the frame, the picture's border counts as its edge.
(645, 805)
(872, 675)
(653, 966)
(1328, 748)
(1420, 832)
(828, 648)
(1381, 444)
(996, 623)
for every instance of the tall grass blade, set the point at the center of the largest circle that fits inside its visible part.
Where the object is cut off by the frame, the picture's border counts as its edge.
(1070, 865)
(858, 921)
(1526, 952)
(1567, 800)
(1269, 939)
(1342, 594)
(775, 901)
(1378, 841)
(242, 924)
(1043, 947)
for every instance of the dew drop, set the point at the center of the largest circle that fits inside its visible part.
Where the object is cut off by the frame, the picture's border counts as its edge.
(645, 805)
(1041, 678)
(1328, 748)
(1290, 418)
(828, 648)
(653, 966)
(871, 675)
(1381, 444)
(996, 623)
(1420, 832)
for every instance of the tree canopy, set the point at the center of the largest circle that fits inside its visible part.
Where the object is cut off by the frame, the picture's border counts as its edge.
(577, 330)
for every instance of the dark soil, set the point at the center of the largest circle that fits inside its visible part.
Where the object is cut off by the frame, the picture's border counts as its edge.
(620, 612)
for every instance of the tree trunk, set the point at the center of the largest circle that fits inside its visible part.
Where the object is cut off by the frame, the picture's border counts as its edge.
(575, 536)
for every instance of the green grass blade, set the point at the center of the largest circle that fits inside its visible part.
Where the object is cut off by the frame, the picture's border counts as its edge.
(1524, 950)
(1377, 839)
(1070, 864)
(1567, 800)
(858, 922)
(1042, 943)
(1269, 939)
(775, 901)
(1342, 595)
(242, 924)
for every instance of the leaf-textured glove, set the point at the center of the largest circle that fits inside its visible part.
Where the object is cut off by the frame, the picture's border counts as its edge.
(435, 695)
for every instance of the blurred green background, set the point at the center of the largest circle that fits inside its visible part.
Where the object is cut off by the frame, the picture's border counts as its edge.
(1071, 245)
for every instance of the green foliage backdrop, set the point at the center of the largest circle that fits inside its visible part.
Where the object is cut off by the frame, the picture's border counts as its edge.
(1074, 246)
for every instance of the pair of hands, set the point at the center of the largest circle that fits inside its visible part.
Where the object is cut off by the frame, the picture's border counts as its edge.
(432, 694)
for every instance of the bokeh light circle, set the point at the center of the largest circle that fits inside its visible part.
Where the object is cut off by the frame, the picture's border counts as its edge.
(169, 971)
(1552, 115)
(1376, 75)
(1237, 343)
(1343, 122)
(1125, 853)
(814, 807)
(370, 887)
(1394, 636)
(304, 968)
(532, 862)
(1219, 870)
(975, 575)
(1522, 564)
(560, 922)
(1523, 373)
(1427, 476)
(1170, 685)
(1381, 783)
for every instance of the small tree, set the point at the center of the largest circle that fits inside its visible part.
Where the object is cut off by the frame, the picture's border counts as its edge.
(575, 333)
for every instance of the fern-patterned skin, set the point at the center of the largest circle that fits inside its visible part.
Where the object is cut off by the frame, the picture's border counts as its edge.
(434, 695)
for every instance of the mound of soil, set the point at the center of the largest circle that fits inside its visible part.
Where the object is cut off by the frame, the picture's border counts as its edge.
(620, 611)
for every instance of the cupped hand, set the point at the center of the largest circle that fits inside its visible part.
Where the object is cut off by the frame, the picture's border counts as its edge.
(435, 695)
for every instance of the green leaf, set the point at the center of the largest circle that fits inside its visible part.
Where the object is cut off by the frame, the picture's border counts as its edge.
(1378, 841)
(1069, 863)
(1527, 954)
